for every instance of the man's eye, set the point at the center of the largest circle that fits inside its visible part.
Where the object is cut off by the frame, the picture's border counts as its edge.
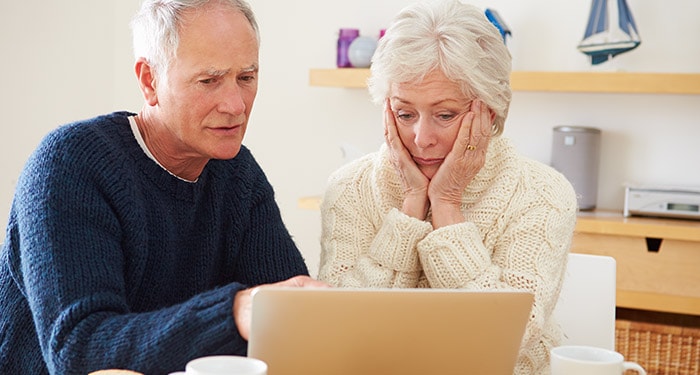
(207, 81)
(247, 78)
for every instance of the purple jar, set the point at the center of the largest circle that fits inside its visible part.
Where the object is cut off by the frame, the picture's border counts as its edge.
(345, 37)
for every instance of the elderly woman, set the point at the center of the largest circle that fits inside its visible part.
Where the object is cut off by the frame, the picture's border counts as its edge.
(447, 202)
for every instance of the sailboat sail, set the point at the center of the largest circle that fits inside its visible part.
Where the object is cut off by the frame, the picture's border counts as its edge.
(605, 38)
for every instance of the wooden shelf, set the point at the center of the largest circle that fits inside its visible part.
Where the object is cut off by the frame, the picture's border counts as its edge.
(309, 203)
(347, 77)
(600, 82)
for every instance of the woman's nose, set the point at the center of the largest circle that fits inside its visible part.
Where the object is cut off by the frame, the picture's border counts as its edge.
(424, 133)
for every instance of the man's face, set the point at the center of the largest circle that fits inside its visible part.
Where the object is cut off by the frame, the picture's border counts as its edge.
(206, 96)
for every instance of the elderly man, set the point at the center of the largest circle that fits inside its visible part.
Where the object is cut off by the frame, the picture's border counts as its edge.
(134, 239)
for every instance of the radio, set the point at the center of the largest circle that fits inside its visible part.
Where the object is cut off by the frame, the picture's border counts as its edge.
(663, 201)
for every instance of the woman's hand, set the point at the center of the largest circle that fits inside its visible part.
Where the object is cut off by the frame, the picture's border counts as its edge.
(414, 182)
(466, 159)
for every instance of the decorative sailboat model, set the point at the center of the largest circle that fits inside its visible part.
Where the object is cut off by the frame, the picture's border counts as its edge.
(610, 31)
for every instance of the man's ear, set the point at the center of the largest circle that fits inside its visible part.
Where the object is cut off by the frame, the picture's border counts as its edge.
(147, 80)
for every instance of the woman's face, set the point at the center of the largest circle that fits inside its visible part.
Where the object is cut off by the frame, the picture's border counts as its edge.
(428, 117)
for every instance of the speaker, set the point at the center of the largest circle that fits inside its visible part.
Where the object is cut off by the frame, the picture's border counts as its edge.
(576, 154)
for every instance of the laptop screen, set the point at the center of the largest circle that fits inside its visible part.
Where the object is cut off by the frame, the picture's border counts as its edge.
(336, 331)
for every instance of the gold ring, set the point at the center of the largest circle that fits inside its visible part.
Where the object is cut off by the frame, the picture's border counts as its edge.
(471, 148)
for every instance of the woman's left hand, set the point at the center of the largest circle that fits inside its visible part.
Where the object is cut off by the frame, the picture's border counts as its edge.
(464, 161)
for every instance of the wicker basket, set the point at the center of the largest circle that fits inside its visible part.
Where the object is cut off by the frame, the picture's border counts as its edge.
(660, 349)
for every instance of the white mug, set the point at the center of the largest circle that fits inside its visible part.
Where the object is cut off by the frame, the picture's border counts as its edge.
(590, 360)
(226, 365)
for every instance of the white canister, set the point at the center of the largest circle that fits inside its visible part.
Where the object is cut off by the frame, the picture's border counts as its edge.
(576, 154)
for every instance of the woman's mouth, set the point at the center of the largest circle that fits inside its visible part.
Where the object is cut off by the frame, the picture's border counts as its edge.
(427, 162)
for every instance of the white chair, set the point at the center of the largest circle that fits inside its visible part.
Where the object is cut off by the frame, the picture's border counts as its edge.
(586, 306)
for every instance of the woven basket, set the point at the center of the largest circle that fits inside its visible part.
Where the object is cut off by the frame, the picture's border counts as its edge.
(660, 349)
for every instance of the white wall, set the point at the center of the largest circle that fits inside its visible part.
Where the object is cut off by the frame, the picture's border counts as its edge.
(69, 61)
(61, 61)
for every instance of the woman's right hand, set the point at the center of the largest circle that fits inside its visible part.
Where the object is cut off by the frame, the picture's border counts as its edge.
(414, 182)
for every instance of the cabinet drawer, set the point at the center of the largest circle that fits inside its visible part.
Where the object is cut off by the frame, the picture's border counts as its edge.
(671, 272)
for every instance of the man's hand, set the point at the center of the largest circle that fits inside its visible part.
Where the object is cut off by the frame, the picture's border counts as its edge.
(243, 301)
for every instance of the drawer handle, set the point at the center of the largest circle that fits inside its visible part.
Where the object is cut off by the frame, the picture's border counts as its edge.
(653, 244)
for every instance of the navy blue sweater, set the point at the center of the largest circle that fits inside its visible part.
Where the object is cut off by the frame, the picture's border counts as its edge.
(111, 262)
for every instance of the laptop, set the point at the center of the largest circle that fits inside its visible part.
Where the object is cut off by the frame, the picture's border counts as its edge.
(343, 331)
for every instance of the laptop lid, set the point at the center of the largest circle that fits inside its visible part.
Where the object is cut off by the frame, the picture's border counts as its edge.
(338, 331)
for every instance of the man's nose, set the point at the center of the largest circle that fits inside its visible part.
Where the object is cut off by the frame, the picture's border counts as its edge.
(232, 100)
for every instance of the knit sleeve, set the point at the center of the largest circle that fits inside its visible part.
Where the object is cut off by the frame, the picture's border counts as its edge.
(267, 251)
(455, 257)
(367, 247)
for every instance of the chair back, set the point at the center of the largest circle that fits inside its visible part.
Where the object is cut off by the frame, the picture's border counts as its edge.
(586, 306)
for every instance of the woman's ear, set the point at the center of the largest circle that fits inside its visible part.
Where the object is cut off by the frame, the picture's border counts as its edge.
(147, 80)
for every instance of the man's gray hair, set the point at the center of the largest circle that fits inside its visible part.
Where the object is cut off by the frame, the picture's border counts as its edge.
(155, 27)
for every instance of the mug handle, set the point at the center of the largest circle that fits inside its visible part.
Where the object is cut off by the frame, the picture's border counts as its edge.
(634, 366)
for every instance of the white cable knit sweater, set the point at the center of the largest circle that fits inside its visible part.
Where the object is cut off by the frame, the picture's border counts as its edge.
(520, 216)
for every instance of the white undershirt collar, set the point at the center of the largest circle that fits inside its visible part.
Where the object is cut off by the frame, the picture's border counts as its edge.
(142, 143)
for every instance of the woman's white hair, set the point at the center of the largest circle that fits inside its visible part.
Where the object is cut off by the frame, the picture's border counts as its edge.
(454, 37)
(155, 27)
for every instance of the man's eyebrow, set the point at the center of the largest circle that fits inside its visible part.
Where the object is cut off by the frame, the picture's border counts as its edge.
(213, 72)
(216, 72)
(252, 68)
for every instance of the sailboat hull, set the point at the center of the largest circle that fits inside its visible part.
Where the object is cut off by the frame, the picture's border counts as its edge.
(604, 39)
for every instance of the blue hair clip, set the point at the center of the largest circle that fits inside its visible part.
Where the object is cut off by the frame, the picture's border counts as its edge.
(497, 21)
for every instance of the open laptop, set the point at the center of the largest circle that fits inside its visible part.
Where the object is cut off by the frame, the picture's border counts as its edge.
(337, 331)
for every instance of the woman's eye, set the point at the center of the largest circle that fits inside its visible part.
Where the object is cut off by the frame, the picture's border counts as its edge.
(403, 116)
(446, 116)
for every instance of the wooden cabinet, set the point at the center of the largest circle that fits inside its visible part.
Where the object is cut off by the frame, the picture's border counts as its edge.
(603, 82)
(658, 260)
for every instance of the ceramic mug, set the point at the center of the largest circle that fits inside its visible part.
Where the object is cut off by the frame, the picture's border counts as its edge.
(590, 360)
(226, 365)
